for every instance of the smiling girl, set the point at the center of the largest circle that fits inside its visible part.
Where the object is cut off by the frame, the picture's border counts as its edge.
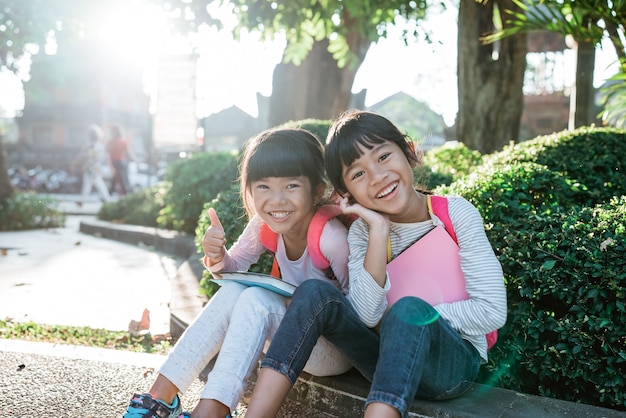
(410, 348)
(282, 186)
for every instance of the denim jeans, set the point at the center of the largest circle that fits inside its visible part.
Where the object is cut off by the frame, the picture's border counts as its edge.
(417, 353)
(235, 326)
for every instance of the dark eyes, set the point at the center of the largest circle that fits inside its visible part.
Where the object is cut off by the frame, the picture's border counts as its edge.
(384, 156)
(289, 186)
(357, 175)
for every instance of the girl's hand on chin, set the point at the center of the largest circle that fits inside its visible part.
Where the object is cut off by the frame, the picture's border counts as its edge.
(372, 218)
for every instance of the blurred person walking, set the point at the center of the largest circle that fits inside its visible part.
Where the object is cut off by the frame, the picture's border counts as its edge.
(119, 155)
(93, 158)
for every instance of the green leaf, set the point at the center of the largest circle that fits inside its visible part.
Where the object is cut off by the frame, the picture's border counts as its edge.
(548, 265)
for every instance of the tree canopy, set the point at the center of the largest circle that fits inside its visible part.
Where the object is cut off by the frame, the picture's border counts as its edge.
(339, 21)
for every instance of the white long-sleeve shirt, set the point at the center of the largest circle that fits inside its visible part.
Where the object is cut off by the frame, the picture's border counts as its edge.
(483, 312)
(333, 244)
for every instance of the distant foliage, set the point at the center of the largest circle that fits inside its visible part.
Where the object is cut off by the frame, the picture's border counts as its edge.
(442, 165)
(555, 214)
(195, 181)
(28, 210)
(317, 127)
(138, 208)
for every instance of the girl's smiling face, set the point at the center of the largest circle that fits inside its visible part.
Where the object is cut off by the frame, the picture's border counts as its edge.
(286, 204)
(381, 179)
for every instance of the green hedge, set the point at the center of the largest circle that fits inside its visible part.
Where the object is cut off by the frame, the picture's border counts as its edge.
(557, 222)
(566, 283)
(137, 208)
(29, 210)
(195, 181)
(593, 157)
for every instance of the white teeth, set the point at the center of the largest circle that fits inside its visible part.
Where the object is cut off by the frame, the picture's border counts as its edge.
(279, 215)
(387, 190)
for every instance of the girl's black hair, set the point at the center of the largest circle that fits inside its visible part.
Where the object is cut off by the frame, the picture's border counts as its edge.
(281, 153)
(356, 128)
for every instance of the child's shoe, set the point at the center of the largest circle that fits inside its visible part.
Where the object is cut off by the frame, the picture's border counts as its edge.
(144, 406)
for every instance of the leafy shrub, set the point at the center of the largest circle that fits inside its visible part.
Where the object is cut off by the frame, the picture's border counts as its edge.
(195, 181)
(563, 262)
(515, 193)
(591, 156)
(564, 336)
(442, 165)
(317, 127)
(28, 210)
(454, 158)
(138, 208)
(233, 218)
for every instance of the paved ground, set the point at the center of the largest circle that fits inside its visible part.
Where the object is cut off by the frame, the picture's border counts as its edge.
(62, 277)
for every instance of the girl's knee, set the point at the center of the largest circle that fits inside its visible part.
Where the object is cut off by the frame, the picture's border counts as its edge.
(315, 289)
(260, 300)
(412, 311)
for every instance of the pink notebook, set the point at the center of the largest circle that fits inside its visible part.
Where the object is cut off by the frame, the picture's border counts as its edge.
(429, 269)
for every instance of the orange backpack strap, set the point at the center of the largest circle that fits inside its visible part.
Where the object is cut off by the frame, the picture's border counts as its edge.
(438, 205)
(320, 218)
(269, 239)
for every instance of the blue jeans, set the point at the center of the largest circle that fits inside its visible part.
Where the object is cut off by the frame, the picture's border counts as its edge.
(417, 352)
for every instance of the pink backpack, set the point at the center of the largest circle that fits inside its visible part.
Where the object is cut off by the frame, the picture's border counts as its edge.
(438, 205)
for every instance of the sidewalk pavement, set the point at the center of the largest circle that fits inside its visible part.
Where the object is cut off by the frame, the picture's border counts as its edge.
(60, 276)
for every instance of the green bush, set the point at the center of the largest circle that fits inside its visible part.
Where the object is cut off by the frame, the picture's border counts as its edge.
(195, 181)
(515, 193)
(564, 336)
(138, 208)
(28, 210)
(317, 127)
(563, 262)
(453, 158)
(443, 165)
(233, 218)
(593, 157)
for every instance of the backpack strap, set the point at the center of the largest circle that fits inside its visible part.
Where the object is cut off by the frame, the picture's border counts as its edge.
(438, 205)
(269, 239)
(314, 234)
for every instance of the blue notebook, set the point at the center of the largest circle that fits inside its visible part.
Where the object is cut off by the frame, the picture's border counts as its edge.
(255, 279)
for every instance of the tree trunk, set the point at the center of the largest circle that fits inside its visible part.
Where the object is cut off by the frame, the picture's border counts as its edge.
(583, 96)
(316, 89)
(490, 79)
(6, 190)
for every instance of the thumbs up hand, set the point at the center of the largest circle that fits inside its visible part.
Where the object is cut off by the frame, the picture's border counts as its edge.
(214, 239)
